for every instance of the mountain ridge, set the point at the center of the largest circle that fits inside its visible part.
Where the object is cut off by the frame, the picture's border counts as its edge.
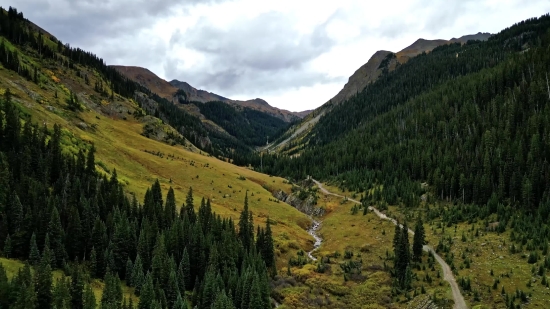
(169, 90)
(367, 73)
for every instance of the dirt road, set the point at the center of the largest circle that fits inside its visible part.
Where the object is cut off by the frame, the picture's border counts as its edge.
(460, 303)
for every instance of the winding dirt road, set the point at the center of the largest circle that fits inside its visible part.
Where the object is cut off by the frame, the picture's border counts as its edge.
(448, 274)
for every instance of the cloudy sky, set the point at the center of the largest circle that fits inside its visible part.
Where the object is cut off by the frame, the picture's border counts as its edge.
(295, 54)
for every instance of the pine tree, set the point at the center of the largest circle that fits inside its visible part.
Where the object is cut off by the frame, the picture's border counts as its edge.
(189, 207)
(137, 274)
(402, 256)
(34, 255)
(4, 288)
(47, 253)
(180, 303)
(244, 225)
(255, 295)
(170, 207)
(7, 247)
(112, 293)
(147, 295)
(186, 268)
(129, 271)
(172, 289)
(77, 286)
(43, 279)
(268, 250)
(61, 293)
(418, 240)
(93, 263)
(55, 231)
(89, 301)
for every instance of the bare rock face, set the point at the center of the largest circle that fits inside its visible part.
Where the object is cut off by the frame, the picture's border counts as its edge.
(306, 206)
(366, 74)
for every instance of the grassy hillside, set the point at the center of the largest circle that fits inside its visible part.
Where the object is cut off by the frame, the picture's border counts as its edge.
(140, 160)
(110, 124)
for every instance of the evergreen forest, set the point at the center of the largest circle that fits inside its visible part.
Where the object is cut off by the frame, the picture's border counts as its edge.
(58, 212)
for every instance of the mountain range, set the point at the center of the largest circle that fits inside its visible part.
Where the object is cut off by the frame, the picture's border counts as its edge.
(169, 91)
(366, 74)
(129, 189)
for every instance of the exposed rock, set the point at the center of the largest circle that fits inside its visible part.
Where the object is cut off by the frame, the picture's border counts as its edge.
(306, 206)
(82, 126)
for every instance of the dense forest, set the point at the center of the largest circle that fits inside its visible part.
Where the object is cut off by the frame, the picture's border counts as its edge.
(249, 126)
(469, 120)
(58, 212)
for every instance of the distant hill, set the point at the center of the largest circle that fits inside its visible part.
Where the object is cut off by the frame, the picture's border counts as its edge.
(149, 80)
(258, 104)
(169, 91)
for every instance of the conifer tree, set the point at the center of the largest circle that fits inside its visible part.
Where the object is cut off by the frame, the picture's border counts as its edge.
(268, 250)
(90, 162)
(189, 208)
(34, 255)
(61, 293)
(43, 283)
(7, 247)
(180, 303)
(255, 295)
(147, 295)
(93, 263)
(185, 265)
(76, 289)
(4, 287)
(55, 231)
(129, 271)
(112, 292)
(89, 301)
(418, 240)
(244, 225)
(137, 274)
(172, 289)
(170, 207)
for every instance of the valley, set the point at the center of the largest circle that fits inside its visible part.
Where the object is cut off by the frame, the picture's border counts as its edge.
(423, 183)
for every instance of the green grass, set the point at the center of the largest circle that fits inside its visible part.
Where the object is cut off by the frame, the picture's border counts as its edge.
(369, 239)
(121, 146)
(13, 266)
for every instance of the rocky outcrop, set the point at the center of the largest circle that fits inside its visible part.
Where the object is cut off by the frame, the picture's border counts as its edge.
(307, 206)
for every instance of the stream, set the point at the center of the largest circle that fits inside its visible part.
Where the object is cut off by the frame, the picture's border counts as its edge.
(318, 240)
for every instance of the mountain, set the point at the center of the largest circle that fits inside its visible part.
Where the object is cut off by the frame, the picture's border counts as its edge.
(148, 79)
(169, 91)
(198, 95)
(366, 74)
(109, 184)
(253, 120)
(203, 96)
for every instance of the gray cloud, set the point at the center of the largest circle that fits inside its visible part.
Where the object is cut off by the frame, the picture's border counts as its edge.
(262, 54)
(89, 22)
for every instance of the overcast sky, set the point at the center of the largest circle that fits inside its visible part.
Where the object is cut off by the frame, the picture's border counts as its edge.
(295, 54)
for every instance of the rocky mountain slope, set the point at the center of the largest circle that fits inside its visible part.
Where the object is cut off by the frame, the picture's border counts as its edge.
(172, 91)
(368, 73)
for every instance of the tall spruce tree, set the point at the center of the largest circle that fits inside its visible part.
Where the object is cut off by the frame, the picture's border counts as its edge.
(77, 286)
(43, 283)
(34, 255)
(419, 240)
